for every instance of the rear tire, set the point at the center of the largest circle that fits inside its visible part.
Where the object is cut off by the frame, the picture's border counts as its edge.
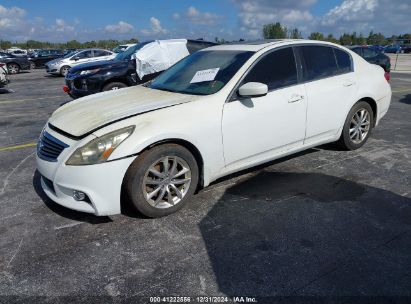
(162, 180)
(114, 86)
(357, 126)
(13, 68)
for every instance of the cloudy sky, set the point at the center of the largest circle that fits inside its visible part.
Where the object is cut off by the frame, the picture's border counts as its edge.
(230, 19)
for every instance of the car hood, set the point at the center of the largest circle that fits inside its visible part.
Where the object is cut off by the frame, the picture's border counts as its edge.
(83, 116)
(95, 65)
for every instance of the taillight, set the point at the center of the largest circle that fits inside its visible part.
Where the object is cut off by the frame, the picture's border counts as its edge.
(66, 89)
(387, 76)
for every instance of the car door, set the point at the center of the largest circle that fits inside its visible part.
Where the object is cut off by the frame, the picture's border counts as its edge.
(101, 55)
(255, 129)
(330, 85)
(43, 58)
(81, 57)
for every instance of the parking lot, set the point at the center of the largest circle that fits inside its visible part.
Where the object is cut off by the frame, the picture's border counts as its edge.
(324, 222)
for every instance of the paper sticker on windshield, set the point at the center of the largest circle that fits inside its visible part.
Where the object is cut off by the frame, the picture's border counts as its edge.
(205, 75)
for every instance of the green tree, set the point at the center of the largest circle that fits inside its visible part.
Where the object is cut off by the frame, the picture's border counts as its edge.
(346, 39)
(4, 45)
(331, 38)
(295, 34)
(316, 36)
(274, 31)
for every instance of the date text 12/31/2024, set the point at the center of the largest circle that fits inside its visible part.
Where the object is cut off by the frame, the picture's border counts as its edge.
(203, 299)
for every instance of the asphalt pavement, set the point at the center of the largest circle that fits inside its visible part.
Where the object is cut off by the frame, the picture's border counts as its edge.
(324, 223)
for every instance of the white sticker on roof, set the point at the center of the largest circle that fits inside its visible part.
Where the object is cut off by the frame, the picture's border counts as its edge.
(205, 75)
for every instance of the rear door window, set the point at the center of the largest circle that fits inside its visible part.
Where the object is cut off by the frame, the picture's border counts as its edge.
(319, 61)
(100, 53)
(369, 53)
(276, 69)
(85, 54)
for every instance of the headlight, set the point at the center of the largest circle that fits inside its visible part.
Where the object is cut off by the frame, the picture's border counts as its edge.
(87, 72)
(99, 149)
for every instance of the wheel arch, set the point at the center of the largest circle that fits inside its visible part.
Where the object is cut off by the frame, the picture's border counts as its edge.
(114, 79)
(190, 147)
(13, 62)
(373, 105)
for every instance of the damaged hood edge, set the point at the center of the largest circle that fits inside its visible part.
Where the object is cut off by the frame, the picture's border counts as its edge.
(84, 116)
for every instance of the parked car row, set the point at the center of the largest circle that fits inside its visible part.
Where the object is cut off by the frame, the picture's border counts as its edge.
(14, 63)
(122, 71)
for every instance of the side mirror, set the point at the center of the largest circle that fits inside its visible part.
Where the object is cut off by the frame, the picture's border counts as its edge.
(76, 58)
(253, 89)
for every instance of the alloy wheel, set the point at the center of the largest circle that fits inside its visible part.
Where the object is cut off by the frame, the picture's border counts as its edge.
(166, 182)
(13, 68)
(65, 70)
(360, 126)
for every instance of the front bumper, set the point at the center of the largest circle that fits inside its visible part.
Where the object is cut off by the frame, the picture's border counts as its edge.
(52, 69)
(82, 86)
(101, 183)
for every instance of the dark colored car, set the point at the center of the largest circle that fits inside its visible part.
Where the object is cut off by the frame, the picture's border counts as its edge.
(14, 63)
(373, 56)
(40, 58)
(406, 49)
(114, 74)
(394, 48)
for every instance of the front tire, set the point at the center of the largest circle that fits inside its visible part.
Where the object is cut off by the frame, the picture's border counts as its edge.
(64, 70)
(357, 126)
(162, 180)
(114, 86)
(32, 65)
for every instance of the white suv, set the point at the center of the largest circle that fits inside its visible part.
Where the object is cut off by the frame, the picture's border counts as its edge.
(215, 112)
(61, 66)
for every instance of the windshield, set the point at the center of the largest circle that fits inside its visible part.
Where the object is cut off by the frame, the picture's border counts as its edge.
(127, 54)
(119, 49)
(202, 73)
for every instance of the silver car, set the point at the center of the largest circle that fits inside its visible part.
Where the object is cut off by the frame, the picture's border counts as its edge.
(61, 66)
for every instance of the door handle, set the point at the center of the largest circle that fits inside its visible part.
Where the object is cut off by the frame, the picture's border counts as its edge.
(295, 98)
(348, 83)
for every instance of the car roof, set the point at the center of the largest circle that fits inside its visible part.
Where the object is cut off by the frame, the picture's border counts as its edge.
(255, 46)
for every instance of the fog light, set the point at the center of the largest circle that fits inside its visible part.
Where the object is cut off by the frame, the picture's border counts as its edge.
(78, 195)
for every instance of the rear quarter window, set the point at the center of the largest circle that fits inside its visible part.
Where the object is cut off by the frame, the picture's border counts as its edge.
(343, 61)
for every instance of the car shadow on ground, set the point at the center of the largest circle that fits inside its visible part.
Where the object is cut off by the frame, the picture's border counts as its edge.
(406, 99)
(65, 212)
(293, 234)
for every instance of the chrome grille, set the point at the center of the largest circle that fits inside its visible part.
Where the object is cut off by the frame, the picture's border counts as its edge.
(49, 147)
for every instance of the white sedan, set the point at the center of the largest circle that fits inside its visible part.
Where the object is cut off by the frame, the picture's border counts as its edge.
(218, 111)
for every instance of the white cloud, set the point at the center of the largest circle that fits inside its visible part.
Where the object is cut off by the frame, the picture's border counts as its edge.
(202, 18)
(253, 14)
(12, 12)
(61, 26)
(156, 28)
(386, 16)
(119, 28)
